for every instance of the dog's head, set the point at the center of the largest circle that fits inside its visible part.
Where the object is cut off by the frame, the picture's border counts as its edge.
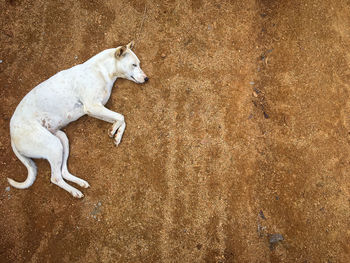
(128, 65)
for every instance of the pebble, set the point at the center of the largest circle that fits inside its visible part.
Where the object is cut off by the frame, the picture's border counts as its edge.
(163, 55)
(252, 83)
(7, 189)
(256, 90)
(255, 94)
(96, 209)
(261, 214)
(0, 61)
(275, 238)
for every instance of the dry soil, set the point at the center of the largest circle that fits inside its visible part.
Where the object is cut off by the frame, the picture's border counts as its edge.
(240, 139)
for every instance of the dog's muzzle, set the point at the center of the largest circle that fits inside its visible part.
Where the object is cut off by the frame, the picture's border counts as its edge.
(144, 80)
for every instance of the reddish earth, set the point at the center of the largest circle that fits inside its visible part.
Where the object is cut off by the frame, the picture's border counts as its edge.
(241, 137)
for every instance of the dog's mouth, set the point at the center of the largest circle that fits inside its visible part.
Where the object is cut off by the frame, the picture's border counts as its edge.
(137, 81)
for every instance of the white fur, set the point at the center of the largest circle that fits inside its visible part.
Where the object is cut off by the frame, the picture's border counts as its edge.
(63, 98)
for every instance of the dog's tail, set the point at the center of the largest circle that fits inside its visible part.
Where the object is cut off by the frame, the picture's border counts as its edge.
(31, 170)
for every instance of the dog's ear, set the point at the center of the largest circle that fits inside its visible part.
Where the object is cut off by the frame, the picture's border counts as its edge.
(130, 45)
(120, 51)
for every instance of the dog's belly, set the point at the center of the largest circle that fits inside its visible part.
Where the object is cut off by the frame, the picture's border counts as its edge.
(52, 110)
(54, 121)
(61, 114)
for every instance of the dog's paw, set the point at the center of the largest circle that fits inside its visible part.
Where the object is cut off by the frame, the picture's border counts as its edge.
(116, 142)
(84, 184)
(76, 193)
(117, 139)
(111, 131)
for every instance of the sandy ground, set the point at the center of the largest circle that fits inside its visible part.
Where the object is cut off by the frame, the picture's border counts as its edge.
(240, 139)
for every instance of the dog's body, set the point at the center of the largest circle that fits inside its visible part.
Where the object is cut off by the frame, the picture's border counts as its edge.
(63, 98)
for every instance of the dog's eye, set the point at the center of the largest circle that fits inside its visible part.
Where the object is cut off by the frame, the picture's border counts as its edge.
(134, 65)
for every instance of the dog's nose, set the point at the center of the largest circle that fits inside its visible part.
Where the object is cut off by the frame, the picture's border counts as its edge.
(146, 79)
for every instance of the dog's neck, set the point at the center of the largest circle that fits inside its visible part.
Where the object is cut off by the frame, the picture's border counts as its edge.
(106, 63)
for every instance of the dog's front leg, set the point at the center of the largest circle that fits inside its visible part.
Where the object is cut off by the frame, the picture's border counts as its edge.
(120, 126)
(100, 112)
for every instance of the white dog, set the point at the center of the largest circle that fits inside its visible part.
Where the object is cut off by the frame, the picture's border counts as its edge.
(63, 98)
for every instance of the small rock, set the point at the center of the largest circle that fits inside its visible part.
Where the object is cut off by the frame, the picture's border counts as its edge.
(252, 83)
(0, 61)
(266, 115)
(261, 230)
(275, 238)
(261, 214)
(96, 209)
(7, 189)
(75, 57)
(163, 55)
(255, 94)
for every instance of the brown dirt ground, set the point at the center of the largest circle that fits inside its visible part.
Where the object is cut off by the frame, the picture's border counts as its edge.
(242, 132)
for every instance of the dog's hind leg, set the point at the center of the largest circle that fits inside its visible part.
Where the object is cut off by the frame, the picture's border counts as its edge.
(54, 154)
(35, 141)
(65, 173)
